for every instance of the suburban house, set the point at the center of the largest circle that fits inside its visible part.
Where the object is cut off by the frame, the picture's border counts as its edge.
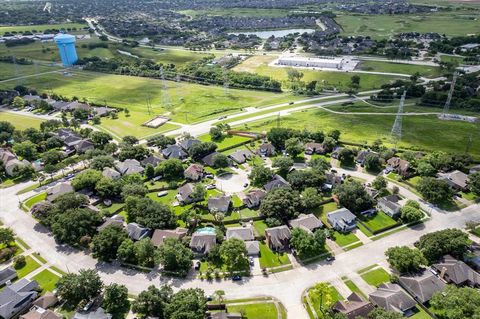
(7, 274)
(342, 220)
(353, 307)
(174, 151)
(10, 161)
(152, 160)
(40, 313)
(400, 166)
(422, 286)
(194, 172)
(75, 105)
(389, 205)
(203, 242)
(102, 111)
(308, 222)
(336, 152)
(266, 149)
(98, 313)
(188, 143)
(17, 297)
(241, 156)
(331, 181)
(242, 233)
(362, 155)
(278, 238)
(159, 235)
(253, 198)
(114, 220)
(253, 248)
(226, 315)
(220, 203)
(209, 160)
(46, 301)
(457, 180)
(185, 193)
(129, 166)
(111, 173)
(137, 232)
(58, 190)
(314, 148)
(277, 182)
(457, 272)
(391, 297)
(84, 145)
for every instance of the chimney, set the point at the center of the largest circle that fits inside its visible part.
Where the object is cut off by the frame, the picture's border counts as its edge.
(442, 273)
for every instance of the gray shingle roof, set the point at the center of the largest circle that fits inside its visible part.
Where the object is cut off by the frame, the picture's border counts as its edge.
(278, 237)
(58, 190)
(391, 297)
(277, 182)
(241, 156)
(17, 297)
(457, 271)
(203, 242)
(221, 203)
(137, 232)
(7, 274)
(174, 151)
(422, 285)
(307, 222)
(243, 233)
(353, 307)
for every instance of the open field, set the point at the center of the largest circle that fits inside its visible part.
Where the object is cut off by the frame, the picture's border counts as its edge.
(458, 23)
(167, 56)
(40, 27)
(380, 66)
(420, 132)
(340, 80)
(19, 121)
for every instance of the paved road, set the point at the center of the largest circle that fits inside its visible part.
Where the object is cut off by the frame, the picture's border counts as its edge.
(287, 286)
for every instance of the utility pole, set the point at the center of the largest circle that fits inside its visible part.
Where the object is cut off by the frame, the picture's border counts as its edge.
(397, 126)
(446, 108)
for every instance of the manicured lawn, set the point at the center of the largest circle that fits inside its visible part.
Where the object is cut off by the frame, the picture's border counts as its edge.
(35, 199)
(376, 277)
(316, 300)
(269, 259)
(255, 311)
(260, 226)
(469, 196)
(419, 132)
(226, 141)
(354, 288)
(421, 314)
(46, 280)
(344, 239)
(379, 221)
(402, 68)
(247, 212)
(30, 266)
(20, 122)
(322, 211)
(112, 209)
(476, 232)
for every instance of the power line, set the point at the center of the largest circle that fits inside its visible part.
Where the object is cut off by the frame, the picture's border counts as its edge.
(446, 108)
(397, 125)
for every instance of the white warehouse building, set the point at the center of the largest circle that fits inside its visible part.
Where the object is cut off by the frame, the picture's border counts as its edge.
(338, 63)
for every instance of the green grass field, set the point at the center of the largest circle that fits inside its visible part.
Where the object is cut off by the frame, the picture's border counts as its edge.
(40, 27)
(354, 288)
(19, 121)
(269, 259)
(255, 311)
(226, 141)
(458, 23)
(376, 277)
(35, 199)
(30, 266)
(46, 280)
(344, 239)
(378, 66)
(419, 132)
(340, 80)
(379, 221)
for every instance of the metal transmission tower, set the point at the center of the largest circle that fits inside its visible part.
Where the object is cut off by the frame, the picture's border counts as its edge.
(397, 126)
(167, 103)
(446, 108)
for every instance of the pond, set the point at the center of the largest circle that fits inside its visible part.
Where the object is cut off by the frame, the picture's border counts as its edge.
(276, 33)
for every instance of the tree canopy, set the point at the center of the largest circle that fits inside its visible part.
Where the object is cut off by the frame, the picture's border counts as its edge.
(405, 259)
(174, 256)
(437, 244)
(353, 196)
(280, 205)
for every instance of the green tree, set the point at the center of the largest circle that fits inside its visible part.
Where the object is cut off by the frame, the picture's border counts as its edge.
(26, 149)
(107, 242)
(106, 188)
(380, 313)
(353, 196)
(100, 138)
(174, 256)
(457, 303)
(311, 198)
(410, 214)
(260, 175)
(115, 300)
(150, 213)
(425, 169)
(435, 190)
(198, 151)
(474, 183)
(52, 157)
(149, 171)
(161, 141)
(138, 190)
(129, 140)
(152, 302)
(437, 244)
(294, 75)
(7, 237)
(187, 303)
(199, 193)
(301, 179)
(220, 161)
(405, 259)
(102, 161)
(145, 252)
(126, 252)
(372, 162)
(86, 179)
(306, 244)
(170, 169)
(234, 254)
(282, 164)
(216, 133)
(81, 287)
(294, 147)
(319, 164)
(18, 102)
(74, 224)
(324, 293)
(379, 183)
(281, 205)
(346, 156)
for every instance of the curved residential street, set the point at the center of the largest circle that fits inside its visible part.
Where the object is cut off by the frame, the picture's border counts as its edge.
(286, 286)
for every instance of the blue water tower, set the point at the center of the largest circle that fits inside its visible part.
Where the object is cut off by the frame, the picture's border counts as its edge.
(66, 48)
